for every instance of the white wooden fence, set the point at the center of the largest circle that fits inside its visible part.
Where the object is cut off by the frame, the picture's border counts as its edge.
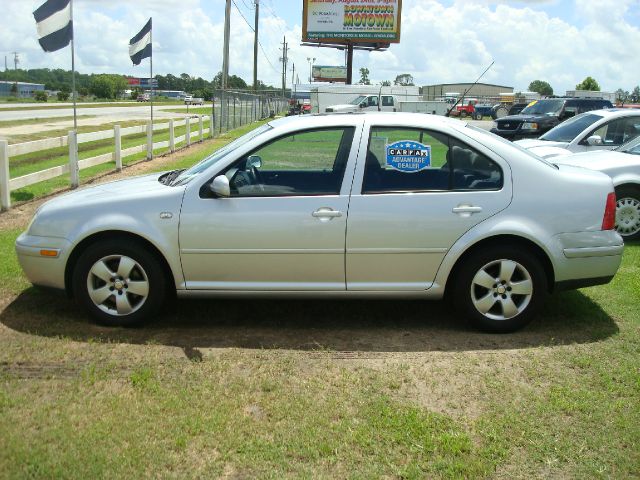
(73, 167)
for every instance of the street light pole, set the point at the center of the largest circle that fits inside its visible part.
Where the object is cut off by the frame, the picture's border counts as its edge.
(311, 62)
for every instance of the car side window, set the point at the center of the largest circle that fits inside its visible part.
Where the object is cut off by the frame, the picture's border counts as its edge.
(617, 132)
(410, 160)
(387, 101)
(311, 162)
(373, 101)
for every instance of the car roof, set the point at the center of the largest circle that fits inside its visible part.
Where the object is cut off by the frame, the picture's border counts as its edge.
(616, 112)
(319, 120)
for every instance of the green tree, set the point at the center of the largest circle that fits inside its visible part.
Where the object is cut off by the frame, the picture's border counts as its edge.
(635, 94)
(404, 79)
(364, 77)
(541, 87)
(589, 83)
(107, 86)
(63, 96)
(621, 96)
(14, 90)
(385, 83)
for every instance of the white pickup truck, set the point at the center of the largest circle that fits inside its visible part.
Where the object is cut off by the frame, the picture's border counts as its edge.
(191, 100)
(365, 103)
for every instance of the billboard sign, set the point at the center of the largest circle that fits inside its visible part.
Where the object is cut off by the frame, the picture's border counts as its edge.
(351, 21)
(141, 82)
(329, 74)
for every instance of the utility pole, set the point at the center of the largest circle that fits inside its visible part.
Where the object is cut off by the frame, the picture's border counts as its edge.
(255, 47)
(16, 60)
(225, 60)
(311, 62)
(284, 64)
(5, 63)
(293, 80)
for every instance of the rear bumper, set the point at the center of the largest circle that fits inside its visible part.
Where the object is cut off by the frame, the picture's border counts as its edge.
(587, 258)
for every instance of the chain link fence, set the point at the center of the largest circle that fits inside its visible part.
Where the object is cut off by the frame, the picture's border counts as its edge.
(232, 109)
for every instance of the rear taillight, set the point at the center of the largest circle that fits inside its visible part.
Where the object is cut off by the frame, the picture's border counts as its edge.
(609, 219)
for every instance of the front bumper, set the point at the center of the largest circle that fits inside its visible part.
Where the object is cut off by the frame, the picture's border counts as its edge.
(43, 270)
(516, 134)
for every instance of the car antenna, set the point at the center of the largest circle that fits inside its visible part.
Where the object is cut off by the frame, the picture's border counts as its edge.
(467, 90)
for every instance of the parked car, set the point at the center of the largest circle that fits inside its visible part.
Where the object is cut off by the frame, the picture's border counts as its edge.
(595, 130)
(366, 103)
(191, 100)
(501, 110)
(144, 97)
(623, 166)
(542, 115)
(369, 205)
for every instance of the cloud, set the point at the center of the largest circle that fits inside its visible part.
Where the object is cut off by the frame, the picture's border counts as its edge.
(442, 42)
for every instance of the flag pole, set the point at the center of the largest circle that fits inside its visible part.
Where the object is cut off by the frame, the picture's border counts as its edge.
(151, 80)
(73, 70)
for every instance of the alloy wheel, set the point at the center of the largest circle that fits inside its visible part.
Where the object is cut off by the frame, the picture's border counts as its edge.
(501, 289)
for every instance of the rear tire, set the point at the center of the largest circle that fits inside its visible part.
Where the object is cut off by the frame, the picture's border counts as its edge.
(628, 212)
(499, 289)
(118, 283)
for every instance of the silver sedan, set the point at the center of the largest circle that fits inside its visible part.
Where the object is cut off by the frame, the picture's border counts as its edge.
(357, 205)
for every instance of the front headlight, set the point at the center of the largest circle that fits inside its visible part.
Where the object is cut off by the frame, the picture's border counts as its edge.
(529, 126)
(495, 124)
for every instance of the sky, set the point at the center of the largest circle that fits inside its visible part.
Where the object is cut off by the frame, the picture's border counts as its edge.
(442, 41)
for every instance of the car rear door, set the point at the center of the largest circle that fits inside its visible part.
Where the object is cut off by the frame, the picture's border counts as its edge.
(405, 212)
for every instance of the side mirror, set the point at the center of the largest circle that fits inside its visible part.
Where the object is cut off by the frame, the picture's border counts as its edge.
(363, 104)
(254, 161)
(594, 140)
(220, 186)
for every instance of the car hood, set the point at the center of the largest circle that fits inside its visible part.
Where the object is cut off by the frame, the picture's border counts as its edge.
(535, 142)
(601, 160)
(133, 198)
(550, 152)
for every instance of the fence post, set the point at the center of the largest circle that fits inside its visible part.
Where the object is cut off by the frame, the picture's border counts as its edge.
(172, 137)
(118, 151)
(5, 193)
(149, 141)
(212, 122)
(187, 134)
(200, 126)
(234, 111)
(74, 173)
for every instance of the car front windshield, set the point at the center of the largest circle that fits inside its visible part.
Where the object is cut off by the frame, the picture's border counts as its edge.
(218, 155)
(632, 147)
(567, 131)
(357, 100)
(544, 107)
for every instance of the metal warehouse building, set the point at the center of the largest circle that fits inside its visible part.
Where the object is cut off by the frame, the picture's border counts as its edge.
(24, 89)
(479, 90)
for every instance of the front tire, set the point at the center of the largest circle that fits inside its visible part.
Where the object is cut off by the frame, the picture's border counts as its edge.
(118, 283)
(628, 212)
(500, 289)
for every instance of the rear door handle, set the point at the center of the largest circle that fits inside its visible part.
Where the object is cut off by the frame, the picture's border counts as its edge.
(326, 213)
(468, 209)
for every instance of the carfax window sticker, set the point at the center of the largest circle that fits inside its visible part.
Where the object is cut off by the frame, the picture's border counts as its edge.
(408, 156)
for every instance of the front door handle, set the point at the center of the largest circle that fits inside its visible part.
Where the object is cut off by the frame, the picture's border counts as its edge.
(326, 212)
(466, 210)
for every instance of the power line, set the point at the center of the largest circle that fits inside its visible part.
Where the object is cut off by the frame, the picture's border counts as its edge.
(259, 43)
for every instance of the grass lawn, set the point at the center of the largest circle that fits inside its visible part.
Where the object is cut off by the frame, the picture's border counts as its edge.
(317, 389)
(54, 106)
(34, 121)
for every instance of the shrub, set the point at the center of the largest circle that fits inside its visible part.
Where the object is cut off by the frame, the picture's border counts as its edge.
(40, 96)
(63, 96)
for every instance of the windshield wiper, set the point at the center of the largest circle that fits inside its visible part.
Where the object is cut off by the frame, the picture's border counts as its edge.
(167, 178)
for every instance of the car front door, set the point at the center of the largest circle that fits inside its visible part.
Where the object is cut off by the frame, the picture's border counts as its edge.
(283, 225)
(416, 192)
(612, 134)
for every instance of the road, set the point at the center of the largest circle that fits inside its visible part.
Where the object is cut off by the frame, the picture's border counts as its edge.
(140, 111)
